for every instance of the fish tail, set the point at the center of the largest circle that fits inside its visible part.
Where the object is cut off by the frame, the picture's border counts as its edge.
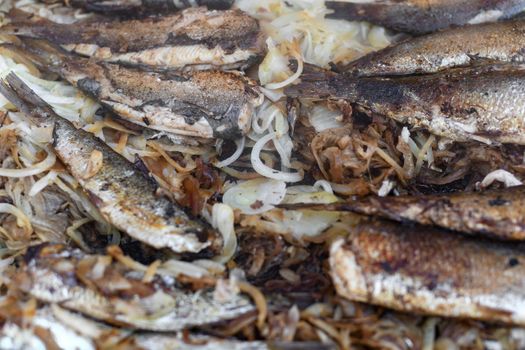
(42, 53)
(21, 95)
(319, 83)
(10, 94)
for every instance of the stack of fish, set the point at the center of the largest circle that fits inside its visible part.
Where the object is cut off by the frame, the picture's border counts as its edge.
(454, 255)
(464, 83)
(178, 74)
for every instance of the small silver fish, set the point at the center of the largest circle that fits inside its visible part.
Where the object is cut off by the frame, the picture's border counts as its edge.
(124, 195)
(456, 47)
(424, 270)
(111, 292)
(195, 38)
(476, 103)
(203, 104)
(425, 16)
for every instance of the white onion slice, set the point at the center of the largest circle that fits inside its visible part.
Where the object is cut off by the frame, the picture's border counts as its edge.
(240, 147)
(31, 170)
(255, 196)
(223, 221)
(265, 170)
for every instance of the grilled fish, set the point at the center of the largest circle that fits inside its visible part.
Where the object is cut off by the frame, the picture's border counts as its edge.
(480, 103)
(195, 38)
(496, 213)
(425, 16)
(428, 271)
(111, 292)
(501, 41)
(204, 104)
(125, 196)
(147, 6)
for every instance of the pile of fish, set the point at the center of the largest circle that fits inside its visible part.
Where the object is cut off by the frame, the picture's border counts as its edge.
(181, 75)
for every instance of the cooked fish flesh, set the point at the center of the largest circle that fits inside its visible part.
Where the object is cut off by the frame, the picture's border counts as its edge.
(53, 327)
(195, 38)
(147, 6)
(125, 196)
(425, 270)
(204, 104)
(455, 47)
(496, 213)
(480, 103)
(111, 292)
(425, 16)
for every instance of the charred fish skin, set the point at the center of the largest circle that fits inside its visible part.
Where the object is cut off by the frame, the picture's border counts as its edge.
(203, 104)
(462, 104)
(117, 295)
(124, 195)
(501, 41)
(194, 38)
(496, 213)
(147, 6)
(426, 16)
(428, 271)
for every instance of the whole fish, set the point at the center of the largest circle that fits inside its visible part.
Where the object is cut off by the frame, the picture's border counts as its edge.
(428, 271)
(126, 7)
(480, 103)
(194, 38)
(109, 291)
(425, 16)
(204, 104)
(501, 41)
(496, 213)
(125, 196)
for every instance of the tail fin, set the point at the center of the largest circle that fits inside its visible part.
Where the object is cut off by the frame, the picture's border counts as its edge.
(10, 94)
(45, 55)
(22, 96)
(316, 82)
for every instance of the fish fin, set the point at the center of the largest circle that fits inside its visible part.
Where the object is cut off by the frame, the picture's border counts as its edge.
(7, 91)
(25, 93)
(46, 55)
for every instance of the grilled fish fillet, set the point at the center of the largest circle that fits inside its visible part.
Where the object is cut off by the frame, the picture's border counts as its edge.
(195, 38)
(125, 196)
(425, 270)
(501, 41)
(204, 104)
(111, 292)
(480, 103)
(425, 16)
(495, 213)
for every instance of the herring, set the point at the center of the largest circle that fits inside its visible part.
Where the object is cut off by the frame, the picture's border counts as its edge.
(124, 195)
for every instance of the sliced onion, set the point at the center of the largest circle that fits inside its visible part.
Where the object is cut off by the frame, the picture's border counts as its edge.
(292, 78)
(502, 176)
(21, 218)
(266, 171)
(240, 147)
(255, 196)
(223, 221)
(43, 183)
(31, 170)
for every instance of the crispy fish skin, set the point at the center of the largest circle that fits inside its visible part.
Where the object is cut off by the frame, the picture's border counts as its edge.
(124, 195)
(117, 295)
(480, 103)
(194, 38)
(428, 271)
(147, 6)
(205, 104)
(425, 16)
(497, 213)
(501, 41)
(494, 213)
